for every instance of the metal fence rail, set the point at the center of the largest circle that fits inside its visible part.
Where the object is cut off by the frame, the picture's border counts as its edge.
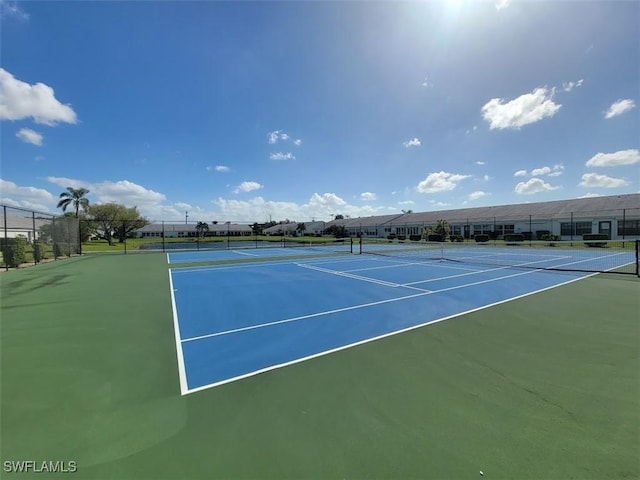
(31, 237)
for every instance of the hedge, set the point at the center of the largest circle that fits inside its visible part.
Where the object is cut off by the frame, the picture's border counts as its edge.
(590, 237)
(514, 237)
(14, 251)
(481, 238)
(415, 238)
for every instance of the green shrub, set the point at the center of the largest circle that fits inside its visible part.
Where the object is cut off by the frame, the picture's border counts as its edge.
(457, 238)
(590, 239)
(38, 251)
(60, 249)
(514, 238)
(14, 251)
(481, 238)
(415, 238)
(434, 237)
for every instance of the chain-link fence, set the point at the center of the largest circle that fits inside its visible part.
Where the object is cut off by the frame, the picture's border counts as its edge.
(618, 224)
(134, 235)
(30, 237)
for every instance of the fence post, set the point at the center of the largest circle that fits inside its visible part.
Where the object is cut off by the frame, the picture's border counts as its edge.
(624, 225)
(4, 209)
(33, 220)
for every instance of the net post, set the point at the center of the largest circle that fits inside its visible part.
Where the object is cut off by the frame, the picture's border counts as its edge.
(637, 258)
(124, 234)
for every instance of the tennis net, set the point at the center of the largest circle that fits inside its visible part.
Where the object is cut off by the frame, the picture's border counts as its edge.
(343, 245)
(585, 256)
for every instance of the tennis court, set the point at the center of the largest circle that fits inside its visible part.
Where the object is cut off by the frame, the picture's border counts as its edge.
(320, 306)
(538, 379)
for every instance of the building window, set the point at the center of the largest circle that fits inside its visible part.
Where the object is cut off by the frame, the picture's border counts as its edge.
(579, 228)
(629, 227)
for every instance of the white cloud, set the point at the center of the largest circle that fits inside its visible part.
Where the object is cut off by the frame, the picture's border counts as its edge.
(477, 195)
(601, 181)
(502, 4)
(10, 8)
(127, 193)
(273, 136)
(320, 206)
(537, 172)
(407, 202)
(486, 178)
(481, 163)
(426, 83)
(534, 185)
(245, 187)
(524, 110)
(282, 156)
(219, 168)
(280, 136)
(590, 195)
(30, 136)
(621, 157)
(439, 182)
(619, 107)
(520, 173)
(414, 142)
(554, 171)
(367, 196)
(25, 197)
(567, 87)
(65, 182)
(439, 204)
(20, 100)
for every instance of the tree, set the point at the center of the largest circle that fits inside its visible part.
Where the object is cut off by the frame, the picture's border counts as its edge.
(75, 197)
(338, 231)
(301, 228)
(114, 220)
(202, 228)
(439, 232)
(339, 217)
(407, 211)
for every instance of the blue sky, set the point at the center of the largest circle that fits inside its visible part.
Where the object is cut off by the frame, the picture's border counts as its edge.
(243, 111)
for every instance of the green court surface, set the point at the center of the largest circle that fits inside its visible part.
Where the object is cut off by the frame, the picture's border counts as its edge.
(543, 387)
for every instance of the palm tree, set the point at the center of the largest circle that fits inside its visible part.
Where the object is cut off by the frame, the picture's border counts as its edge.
(74, 196)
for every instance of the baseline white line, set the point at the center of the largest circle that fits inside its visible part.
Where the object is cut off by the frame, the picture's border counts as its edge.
(379, 337)
(354, 307)
(182, 373)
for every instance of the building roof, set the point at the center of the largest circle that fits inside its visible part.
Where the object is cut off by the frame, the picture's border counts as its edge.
(580, 207)
(610, 206)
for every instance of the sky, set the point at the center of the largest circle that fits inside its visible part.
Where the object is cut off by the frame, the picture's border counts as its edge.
(258, 111)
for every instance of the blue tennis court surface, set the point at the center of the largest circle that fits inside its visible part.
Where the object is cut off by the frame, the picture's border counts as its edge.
(255, 253)
(239, 320)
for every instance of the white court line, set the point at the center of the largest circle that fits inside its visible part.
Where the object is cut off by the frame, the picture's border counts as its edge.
(354, 307)
(358, 277)
(182, 374)
(347, 275)
(245, 253)
(379, 337)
